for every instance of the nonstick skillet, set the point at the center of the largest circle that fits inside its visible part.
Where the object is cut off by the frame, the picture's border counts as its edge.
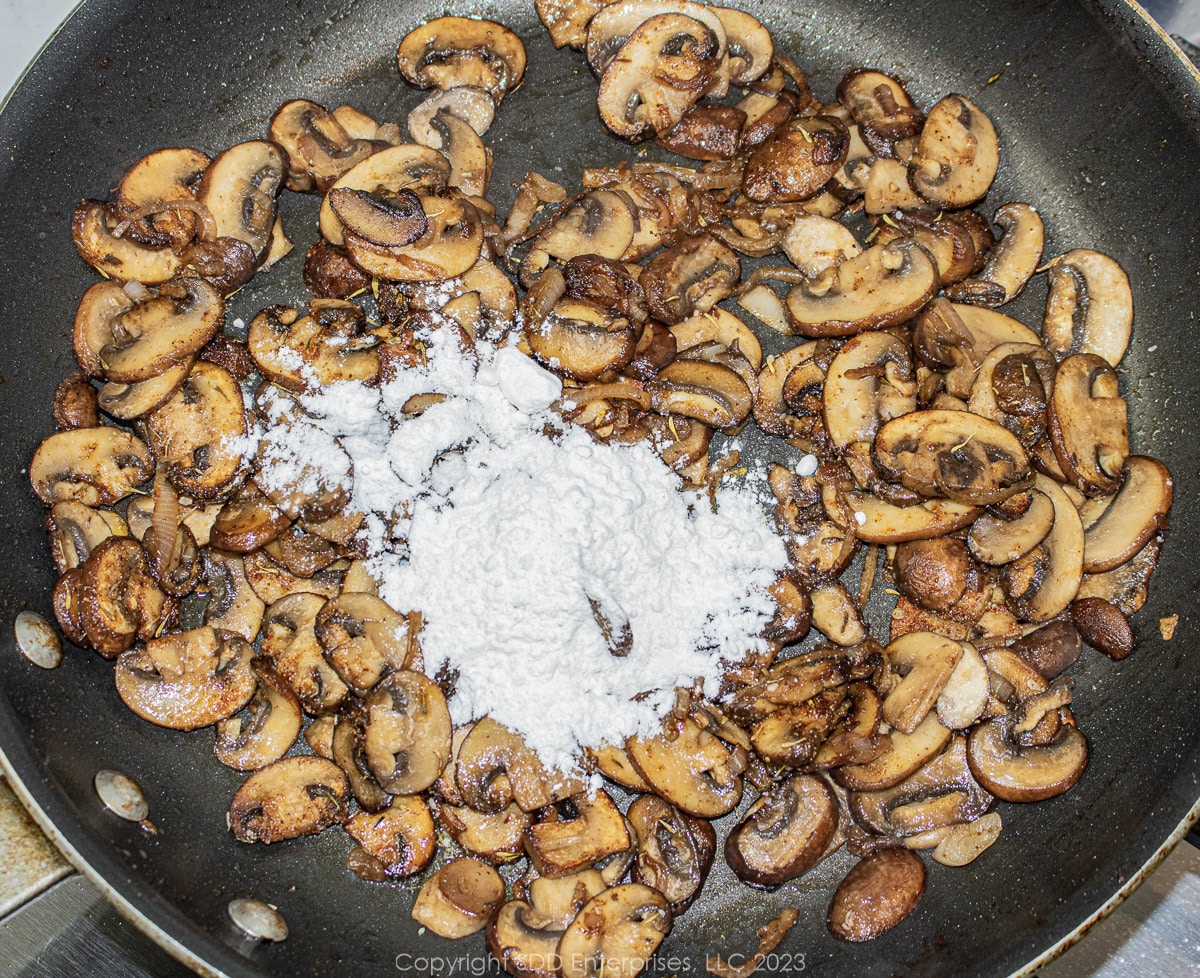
(1099, 119)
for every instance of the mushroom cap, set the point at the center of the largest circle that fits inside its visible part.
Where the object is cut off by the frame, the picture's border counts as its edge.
(1088, 424)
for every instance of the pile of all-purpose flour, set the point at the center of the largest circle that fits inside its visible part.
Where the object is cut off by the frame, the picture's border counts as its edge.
(570, 584)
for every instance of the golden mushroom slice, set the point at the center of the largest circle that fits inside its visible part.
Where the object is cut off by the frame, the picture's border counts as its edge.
(708, 392)
(405, 167)
(76, 530)
(674, 850)
(558, 844)
(881, 107)
(965, 695)
(567, 20)
(1088, 424)
(92, 466)
(290, 642)
(240, 188)
(450, 52)
(926, 662)
(196, 434)
(76, 404)
(458, 139)
(693, 770)
(1134, 515)
(495, 766)
(581, 339)
(885, 285)
(785, 833)
(600, 222)
(269, 729)
(957, 338)
(884, 522)
(689, 278)
(246, 522)
(319, 148)
(1012, 386)
(156, 198)
(909, 752)
(450, 245)
(402, 838)
(615, 933)
(957, 155)
(364, 638)
(1043, 582)
(458, 900)
(330, 344)
(610, 28)
(128, 402)
(814, 244)
(1013, 771)
(496, 837)
(1089, 306)
(295, 796)
(188, 679)
(953, 454)
(119, 600)
(613, 762)
(119, 257)
(797, 161)
(384, 219)
(1012, 260)
(233, 605)
(406, 736)
(995, 540)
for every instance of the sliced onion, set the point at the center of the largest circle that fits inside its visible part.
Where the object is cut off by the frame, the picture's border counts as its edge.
(208, 224)
(164, 526)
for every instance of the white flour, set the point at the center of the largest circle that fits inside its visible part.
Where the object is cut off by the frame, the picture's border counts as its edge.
(570, 584)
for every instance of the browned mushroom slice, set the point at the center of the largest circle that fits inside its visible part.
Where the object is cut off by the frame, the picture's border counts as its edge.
(709, 392)
(96, 324)
(295, 796)
(119, 599)
(814, 244)
(92, 466)
(246, 522)
(877, 894)
(886, 189)
(1103, 626)
(797, 161)
(187, 680)
(67, 602)
(949, 241)
(958, 338)
(1041, 584)
(473, 106)
(1089, 306)
(934, 573)
(598, 223)
(615, 933)
(268, 731)
(240, 188)
(131, 401)
(1088, 424)
(495, 766)
(453, 51)
(459, 899)
(1011, 262)
(926, 662)
(567, 20)
(996, 541)
(591, 829)
(610, 28)
(364, 638)
(870, 382)
(408, 167)
(407, 733)
(76, 403)
(707, 131)
(326, 346)
(836, 616)
(232, 604)
(690, 278)
(881, 107)
(957, 156)
(347, 750)
(329, 272)
(498, 837)
(402, 838)
(908, 753)
(387, 220)
(785, 833)
(1013, 386)
(457, 138)
(76, 530)
(1051, 649)
(750, 48)
(156, 197)
(1137, 512)
(953, 454)
(674, 850)
(1125, 586)
(163, 331)
(518, 936)
(119, 258)
(1016, 772)
(449, 247)
(663, 68)
(195, 434)
(885, 285)
(302, 553)
(290, 642)
(583, 340)
(884, 522)
(319, 149)
(693, 770)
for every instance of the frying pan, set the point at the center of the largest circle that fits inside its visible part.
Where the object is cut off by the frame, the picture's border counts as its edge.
(1099, 122)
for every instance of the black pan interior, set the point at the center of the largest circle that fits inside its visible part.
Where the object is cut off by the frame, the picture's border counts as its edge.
(1089, 106)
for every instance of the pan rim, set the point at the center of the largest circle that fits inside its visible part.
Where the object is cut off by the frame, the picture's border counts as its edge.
(114, 881)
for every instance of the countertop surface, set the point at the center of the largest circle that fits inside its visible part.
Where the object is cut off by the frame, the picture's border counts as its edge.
(53, 924)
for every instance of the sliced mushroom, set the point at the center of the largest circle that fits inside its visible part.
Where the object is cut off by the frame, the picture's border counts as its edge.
(610, 28)
(449, 247)
(785, 833)
(195, 434)
(119, 600)
(495, 766)
(473, 106)
(1011, 262)
(319, 148)
(567, 20)
(390, 220)
(690, 278)
(364, 638)
(953, 454)
(460, 142)
(232, 604)
(271, 727)
(1136, 513)
(877, 894)
(1088, 424)
(131, 401)
(559, 844)
(908, 753)
(328, 345)
(797, 161)
(402, 838)
(119, 258)
(497, 837)
(674, 850)
(295, 796)
(935, 573)
(290, 642)
(814, 244)
(1014, 772)
(926, 662)
(708, 392)
(664, 66)
(407, 732)
(958, 338)
(995, 540)
(692, 769)
(965, 695)
(885, 285)
(143, 200)
(450, 52)
(246, 522)
(836, 616)
(886, 188)
(459, 899)
(583, 340)
(240, 188)
(957, 155)
(76, 530)
(884, 522)
(1089, 306)
(187, 680)
(92, 466)
(598, 223)
(881, 107)
(615, 933)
